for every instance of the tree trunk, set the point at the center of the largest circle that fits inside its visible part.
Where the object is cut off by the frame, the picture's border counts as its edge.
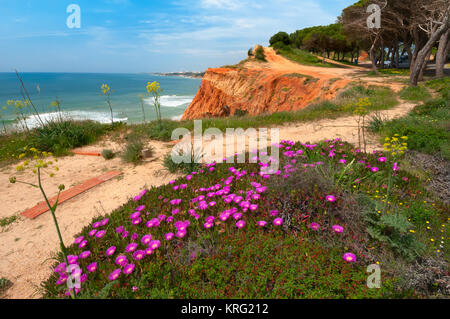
(397, 55)
(424, 52)
(442, 53)
(382, 54)
(372, 55)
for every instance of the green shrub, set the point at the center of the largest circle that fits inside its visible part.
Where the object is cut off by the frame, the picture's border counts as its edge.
(8, 220)
(393, 229)
(5, 284)
(108, 154)
(259, 54)
(240, 113)
(280, 37)
(133, 150)
(60, 137)
(186, 168)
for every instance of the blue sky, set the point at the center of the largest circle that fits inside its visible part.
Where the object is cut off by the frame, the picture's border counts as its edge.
(147, 36)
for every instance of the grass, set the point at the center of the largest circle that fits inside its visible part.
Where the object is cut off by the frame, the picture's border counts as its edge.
(415, 93)
(5, 284)
(108, 154)
(304, 57)
(8, 220)
(426, 126)
(287, 261)
(133, 149)
(56, 137)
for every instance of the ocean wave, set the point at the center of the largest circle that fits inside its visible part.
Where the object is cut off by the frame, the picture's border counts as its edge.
(177, 118)
(172, 100)
(101, 117)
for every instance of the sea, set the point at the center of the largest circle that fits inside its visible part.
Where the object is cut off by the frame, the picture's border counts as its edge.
(81, 98)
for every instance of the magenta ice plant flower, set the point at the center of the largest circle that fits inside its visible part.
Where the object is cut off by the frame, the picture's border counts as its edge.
(82, 244)
(349, 257)
(337, 228)
(261, 223)
(240, 224)
(146, 239)
(139, 254)
(154, 244)
(85, 254)
(110, 251)
(330, 198)
(278, 221)
(115, 274)
(131, 247)
(314, 226)
(72, 259)
(168, 236)
(92, 267)
(121, 260)
(78, 240)
(100, 233)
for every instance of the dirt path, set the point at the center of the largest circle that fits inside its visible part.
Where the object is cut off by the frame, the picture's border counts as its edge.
(315, 131)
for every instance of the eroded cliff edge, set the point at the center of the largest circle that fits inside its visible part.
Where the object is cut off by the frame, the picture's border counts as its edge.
(262, 87)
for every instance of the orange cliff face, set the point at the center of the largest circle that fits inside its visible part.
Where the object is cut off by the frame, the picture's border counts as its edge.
(259, 87)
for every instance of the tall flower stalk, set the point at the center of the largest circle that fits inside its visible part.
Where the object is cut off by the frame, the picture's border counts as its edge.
(154, 89)
(106, 90)
(42, 164)
(1, 118)
(141, 100)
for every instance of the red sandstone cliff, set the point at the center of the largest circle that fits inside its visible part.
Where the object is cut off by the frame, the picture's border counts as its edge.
(259, 87)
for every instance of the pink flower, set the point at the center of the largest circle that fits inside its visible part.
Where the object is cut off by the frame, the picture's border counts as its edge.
(72, 259)
(349, 257)
(168, 236)
(146, 239)
(100, 233)
(121, 260)
(139, 254)
(374, 169)
(395, 167)
(92, 267)
(330, 198)
(131, 247)
(382, 159)
(154, 244)
(181, 234)
(337, 228)
(128, 269)
(240, 224)
(208, 225)
(85, 254)
(83, 244)
(78, 240)
(114, 275)
(110, 251)
(261, 223)
(278, 221)
(314, 226)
